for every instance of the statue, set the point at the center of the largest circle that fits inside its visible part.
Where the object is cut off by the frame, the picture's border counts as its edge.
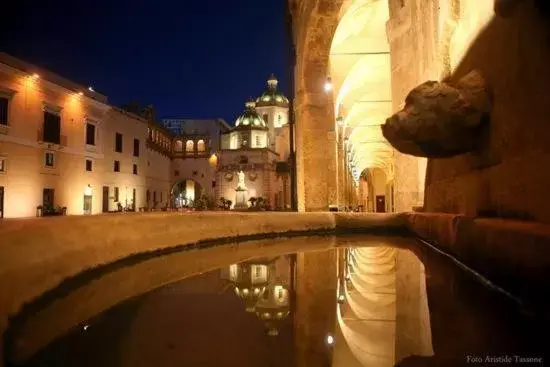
(240, 183)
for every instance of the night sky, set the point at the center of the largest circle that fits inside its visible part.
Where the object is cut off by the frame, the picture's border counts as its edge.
(190, 58)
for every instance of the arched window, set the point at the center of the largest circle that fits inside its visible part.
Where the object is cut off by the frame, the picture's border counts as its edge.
(178, 146)
(201, 147)
(189, 146)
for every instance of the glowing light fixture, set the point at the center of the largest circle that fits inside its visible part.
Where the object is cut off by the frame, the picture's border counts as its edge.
(328, 84)
(36, 76)
(91, 89)
(340, 121)
(341, 298)
(80, 93)
(330, 339)
(88, 191)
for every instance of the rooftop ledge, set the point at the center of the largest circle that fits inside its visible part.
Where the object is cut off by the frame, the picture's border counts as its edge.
(37, 254)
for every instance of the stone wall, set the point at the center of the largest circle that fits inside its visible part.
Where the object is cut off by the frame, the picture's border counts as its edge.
(507, 176)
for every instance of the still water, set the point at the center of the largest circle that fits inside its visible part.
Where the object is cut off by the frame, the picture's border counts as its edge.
(310, 301)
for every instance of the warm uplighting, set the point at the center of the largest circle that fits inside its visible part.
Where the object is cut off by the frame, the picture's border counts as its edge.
(88, 191)
(213, 160)
(80, 93)
(328, 85)
(35, 76)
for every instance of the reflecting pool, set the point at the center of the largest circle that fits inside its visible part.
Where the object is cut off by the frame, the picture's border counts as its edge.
(342, 301)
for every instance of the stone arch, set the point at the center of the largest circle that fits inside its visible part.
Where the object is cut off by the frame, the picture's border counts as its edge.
(178, 146)
(185, 192)
(189, 146)
(201, 146)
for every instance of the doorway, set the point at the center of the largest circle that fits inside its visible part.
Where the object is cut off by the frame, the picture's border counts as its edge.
(1, 202)
(48, 196)
(380, 203)
(87, 204)
(105, 197)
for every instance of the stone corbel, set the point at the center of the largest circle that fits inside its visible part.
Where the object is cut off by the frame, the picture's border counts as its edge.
(439, 119)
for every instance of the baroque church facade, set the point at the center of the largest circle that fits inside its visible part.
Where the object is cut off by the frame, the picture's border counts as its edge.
(246, 164)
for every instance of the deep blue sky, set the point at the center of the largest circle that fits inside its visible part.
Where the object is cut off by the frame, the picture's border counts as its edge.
(190, 58)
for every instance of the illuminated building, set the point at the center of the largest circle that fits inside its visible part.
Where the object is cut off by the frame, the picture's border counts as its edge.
(65, 150)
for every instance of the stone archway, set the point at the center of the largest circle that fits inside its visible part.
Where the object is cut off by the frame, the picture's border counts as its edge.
(185, 192)
(343, 42)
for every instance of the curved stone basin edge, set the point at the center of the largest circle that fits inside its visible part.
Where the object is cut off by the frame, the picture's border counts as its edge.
(37, 254)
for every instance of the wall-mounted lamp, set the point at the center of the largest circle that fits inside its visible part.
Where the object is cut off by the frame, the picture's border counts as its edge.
(88, 190)
(328, 84)
(341, 298)
(330, 339)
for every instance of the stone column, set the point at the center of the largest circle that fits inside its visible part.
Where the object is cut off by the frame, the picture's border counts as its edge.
(317, 177)
(341, 173)
(315, 316)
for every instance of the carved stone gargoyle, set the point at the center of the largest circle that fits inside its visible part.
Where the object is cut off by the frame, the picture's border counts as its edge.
(440, 120)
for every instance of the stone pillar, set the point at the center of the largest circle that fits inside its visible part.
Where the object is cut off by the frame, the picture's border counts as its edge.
(413, 331)
(317, 177)
(341, 173)
(406, 182)
(315, 315)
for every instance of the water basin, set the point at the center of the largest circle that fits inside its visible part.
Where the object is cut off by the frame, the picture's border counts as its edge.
(341, 301)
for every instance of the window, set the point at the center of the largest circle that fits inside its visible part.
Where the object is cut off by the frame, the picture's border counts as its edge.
(49, 160)
(213, 184)
(118, 143)
(89, 165)
(161, 196)
(90, 134)
(257, 140)
(116, 194)
(116, 166)
(176, 173)
(189, 146)
(154, 197)
(136, 147)
(2, 164)
(201, 146)
(266, 118)
(134, 169)
(280, 119)
(3, 111)
(52, 128)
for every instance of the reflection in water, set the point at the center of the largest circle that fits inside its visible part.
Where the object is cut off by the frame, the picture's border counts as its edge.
(264, 303)
(264, 287)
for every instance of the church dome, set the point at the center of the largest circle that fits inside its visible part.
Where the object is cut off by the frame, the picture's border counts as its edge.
(250, 119)
(271, 95)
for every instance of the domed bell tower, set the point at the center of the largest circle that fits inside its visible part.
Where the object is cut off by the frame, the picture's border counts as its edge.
(273, 106)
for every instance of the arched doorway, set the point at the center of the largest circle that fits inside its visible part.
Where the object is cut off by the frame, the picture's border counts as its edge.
(185, 192)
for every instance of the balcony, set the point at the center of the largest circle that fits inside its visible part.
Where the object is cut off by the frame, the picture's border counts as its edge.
(4, 129)
(56, 143)
(193, 154)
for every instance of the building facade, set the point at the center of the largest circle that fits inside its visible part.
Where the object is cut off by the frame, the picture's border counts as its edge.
(65, 150)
